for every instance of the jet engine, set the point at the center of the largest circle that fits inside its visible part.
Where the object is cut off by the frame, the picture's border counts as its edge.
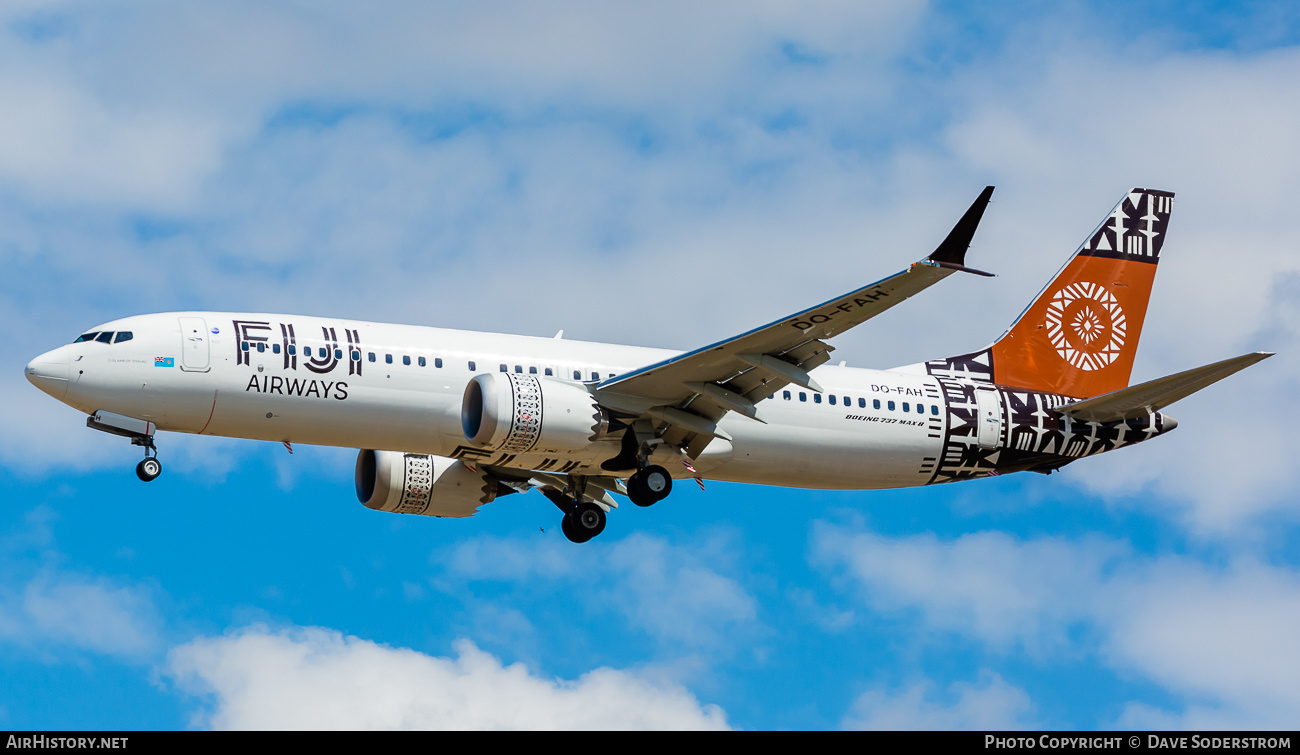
(517, 414)
(422, 484)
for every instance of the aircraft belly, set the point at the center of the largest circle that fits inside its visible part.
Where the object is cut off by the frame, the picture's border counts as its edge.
(851, 454)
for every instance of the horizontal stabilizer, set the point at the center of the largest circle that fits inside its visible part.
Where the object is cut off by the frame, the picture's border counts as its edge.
(1139, 400)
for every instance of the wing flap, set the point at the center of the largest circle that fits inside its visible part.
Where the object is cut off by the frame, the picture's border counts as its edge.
(1139, 400)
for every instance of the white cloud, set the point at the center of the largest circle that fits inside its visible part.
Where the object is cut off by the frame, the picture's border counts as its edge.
(314, 678)
(52, 611)
(989, 584)
(1202, 633)
(679, 594)
(57, 610)
(993, 705)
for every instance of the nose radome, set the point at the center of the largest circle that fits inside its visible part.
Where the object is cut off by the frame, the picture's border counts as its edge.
(49, 372)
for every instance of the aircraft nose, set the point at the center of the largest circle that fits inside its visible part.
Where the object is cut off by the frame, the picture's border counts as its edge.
(49, 372)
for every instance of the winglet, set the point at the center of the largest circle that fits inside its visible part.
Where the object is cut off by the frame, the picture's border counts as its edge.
(953, 249)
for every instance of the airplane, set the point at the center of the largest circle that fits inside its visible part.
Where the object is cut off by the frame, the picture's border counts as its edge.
(448, 420)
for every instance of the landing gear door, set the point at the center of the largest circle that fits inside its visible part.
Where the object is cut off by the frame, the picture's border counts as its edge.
(989, 420)
(194, 345)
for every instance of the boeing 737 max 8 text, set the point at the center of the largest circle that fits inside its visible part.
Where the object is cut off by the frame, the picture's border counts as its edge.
(451, 420)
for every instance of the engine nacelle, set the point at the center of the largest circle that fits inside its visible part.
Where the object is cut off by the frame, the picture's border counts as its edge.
(506, 411)
(421, 484)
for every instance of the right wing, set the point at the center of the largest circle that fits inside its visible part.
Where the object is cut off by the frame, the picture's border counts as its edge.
(691, 392)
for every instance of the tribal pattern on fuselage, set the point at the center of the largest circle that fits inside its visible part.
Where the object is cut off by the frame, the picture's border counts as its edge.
(1031, 435)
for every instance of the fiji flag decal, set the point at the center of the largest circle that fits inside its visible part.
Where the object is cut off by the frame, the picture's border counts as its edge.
(164, 362)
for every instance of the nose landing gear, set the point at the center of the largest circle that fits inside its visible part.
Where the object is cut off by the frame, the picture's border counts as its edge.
(149, 469)
(141, 434)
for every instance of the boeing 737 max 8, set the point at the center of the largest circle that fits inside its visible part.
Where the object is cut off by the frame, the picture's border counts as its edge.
(451, 420)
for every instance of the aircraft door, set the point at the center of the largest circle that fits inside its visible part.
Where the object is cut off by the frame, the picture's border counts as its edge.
(194, 345)
(989, 417)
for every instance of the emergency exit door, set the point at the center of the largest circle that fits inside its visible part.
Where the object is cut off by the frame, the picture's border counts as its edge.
(989, 420)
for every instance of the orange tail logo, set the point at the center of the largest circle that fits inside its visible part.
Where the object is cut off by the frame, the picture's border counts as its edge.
(1080, 335)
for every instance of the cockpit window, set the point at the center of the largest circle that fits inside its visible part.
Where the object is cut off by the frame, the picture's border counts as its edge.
(123, 335)
(87, 337)
(105, 337)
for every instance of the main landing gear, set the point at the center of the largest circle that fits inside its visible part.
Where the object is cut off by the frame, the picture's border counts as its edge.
(649, 485)
(584, 510)
(583, 519)
(584, 522)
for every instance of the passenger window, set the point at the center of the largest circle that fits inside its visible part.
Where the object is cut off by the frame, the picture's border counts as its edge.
(87, 337)
(785, 395)
(803, 396)
(906, 408)
(356, 355)
(406, 359)
(437, 362)
(817, 398)
(472, 368)
(875, 403)
(519, 370)
(372, 356)
(862, 403)
(595, 376)
(532, 370)
(388, 359)
(832, 399)
(123, 335)
(338, 353)
(891, 406)
(577, 374)
(548, 372)
(261, 347)
(244, 345)
(847, 401)
(105, 337)
(275, 348)
(293, 351)
(934, 410)
(423, 363)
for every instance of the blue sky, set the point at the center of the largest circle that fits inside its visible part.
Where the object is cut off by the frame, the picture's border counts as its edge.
(665, 176)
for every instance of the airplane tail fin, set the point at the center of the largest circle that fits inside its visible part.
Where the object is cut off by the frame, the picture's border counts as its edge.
(1079, 337)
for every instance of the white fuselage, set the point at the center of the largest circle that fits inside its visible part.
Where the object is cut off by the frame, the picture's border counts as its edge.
(400, 387)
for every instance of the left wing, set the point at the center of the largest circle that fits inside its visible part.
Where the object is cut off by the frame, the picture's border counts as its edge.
(687, 395)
